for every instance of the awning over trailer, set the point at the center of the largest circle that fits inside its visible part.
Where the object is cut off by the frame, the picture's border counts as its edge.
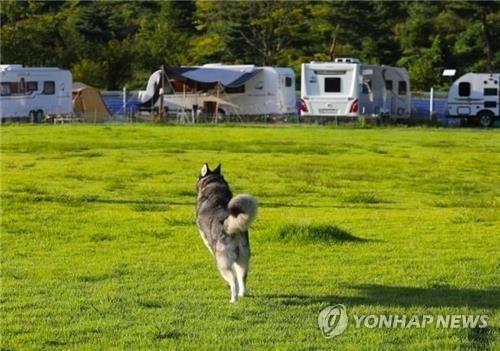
(229, 77)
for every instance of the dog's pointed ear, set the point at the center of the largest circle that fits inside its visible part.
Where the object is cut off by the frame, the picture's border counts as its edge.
(204, 170)
(217, 169)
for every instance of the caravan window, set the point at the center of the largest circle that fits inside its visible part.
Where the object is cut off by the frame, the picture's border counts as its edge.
(31, 87)
(388, 85)
(332, 85)
(288, 81)
(402, 87)
(49, 88)
(22, 86)
(13, 88)
(365, 89)
(490, 92)
(235, 90)
(5, 89)
(367, 86)
(464, 89)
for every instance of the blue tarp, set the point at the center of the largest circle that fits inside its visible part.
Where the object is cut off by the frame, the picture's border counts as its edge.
(420, 106)
(229, 77)
(115, 104)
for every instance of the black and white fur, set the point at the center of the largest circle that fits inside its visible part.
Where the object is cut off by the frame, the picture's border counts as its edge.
(223, 222)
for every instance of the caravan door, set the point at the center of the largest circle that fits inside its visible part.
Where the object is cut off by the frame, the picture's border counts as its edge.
(286, 94)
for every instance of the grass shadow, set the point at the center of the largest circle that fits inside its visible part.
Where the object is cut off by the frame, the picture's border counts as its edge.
(167, 335)
(287, 204)
(402, 296)
(78, 200)
(379, 204)
(316, 233)
(363, 198)
(150, 303)
(480, 338)
(148, 206)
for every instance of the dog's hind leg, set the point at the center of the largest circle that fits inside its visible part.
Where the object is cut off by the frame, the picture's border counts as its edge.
(241, 270)
(224, 264)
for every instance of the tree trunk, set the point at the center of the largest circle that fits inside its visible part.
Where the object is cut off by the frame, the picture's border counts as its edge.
(487, 39)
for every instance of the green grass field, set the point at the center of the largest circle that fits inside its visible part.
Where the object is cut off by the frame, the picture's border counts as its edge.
(100, 250)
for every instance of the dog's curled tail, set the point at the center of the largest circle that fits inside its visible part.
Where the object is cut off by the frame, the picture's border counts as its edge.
(243, 210)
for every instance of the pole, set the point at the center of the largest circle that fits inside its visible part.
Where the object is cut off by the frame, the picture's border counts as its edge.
(333, 45)
(183, 115)
(162, 89)
(431, 104)
(217, 105)
(125, 101)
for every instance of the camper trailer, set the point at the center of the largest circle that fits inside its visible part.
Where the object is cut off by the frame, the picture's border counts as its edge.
(34, 92)
(348, 88)
(475, 96)
(223, 90)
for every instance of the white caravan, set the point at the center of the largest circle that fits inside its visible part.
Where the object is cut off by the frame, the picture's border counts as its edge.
(347, 88)
(34, 92)
(241, 90)
(475, 96)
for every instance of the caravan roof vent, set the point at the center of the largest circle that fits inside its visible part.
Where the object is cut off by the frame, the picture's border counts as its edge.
(346, 60)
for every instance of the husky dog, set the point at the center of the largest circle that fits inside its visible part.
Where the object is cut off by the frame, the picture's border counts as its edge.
(223, 222)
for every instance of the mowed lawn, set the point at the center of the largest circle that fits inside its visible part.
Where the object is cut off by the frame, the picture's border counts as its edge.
(100, 250)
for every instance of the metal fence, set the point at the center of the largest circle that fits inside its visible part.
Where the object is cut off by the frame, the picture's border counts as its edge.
(122, 104)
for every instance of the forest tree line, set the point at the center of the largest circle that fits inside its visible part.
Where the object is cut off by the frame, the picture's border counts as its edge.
(114, 44)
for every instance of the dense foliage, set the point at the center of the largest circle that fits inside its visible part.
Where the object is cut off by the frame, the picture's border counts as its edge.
(112, 44)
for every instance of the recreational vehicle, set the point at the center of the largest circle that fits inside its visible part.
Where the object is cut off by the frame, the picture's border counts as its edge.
(475, 96)
(34, 92)
(218, 90)
(348, 88)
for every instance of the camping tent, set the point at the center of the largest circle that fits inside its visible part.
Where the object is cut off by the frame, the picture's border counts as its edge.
(88, 104)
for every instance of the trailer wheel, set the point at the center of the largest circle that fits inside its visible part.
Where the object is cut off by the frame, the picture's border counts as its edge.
(384, 119)
(221, 115)
(32, 116)
(485, 119)
(39, 116)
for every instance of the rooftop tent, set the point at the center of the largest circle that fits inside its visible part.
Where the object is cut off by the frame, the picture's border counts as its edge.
(88, 104)
(229, 77)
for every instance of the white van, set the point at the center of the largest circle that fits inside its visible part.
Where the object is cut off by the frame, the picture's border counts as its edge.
(347, 88)
(227, 89)
(475, 96)
(34, 92)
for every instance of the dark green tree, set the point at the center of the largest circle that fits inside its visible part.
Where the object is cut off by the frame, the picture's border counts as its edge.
(484, 16)
(112, 44)
(164, 40)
